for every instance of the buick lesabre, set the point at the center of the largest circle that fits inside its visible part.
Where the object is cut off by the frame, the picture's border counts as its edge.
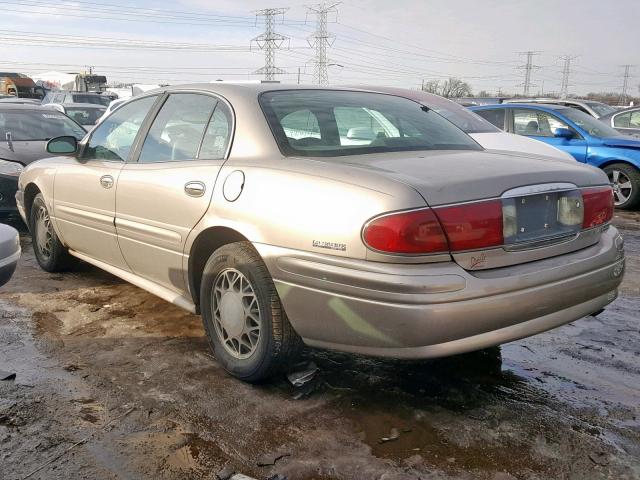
(337, 218)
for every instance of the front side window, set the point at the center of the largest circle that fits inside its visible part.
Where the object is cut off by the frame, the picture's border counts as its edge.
(495, 117)
(331, 123)
(536, 123)
(177, 131)
(113, 138)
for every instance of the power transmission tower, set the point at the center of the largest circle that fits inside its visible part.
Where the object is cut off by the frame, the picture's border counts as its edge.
(625, 84)
(320, 39)
(566, 71)
(270, 41)
(528, 68)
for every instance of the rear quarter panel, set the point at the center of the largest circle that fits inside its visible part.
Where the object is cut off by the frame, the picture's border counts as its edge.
(303, 204)
(600, 155)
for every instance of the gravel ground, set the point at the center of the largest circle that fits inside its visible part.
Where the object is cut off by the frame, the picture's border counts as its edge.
(114, 383)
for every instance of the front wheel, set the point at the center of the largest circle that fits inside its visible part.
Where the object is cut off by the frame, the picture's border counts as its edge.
(246, 325)
(51, 255)
(626, 184)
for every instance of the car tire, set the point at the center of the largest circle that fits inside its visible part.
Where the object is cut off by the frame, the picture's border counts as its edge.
(51, 254)
(245, 323)
(624, 174)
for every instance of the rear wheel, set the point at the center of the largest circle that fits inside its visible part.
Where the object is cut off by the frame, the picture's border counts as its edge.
(626, 184)
(51, 255)
(246, 325)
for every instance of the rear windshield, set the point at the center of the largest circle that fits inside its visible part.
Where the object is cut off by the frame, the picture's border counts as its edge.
(95, 99)
(84, 115)
(461, 117)
(330, 123)
(26, 125)
(594, 127)
(601, 109)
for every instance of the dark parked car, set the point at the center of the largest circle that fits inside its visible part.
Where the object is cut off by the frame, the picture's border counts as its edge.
(61, 96)
(625, 121)
(9, 252)
(24, 133)
(86, 114)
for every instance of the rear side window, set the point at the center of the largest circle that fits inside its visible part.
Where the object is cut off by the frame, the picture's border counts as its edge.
(218, 134)
(331, 123)
(627, 120)
(495, 117)
(177, 130)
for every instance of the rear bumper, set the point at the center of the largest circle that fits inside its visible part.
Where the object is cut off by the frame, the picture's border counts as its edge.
(439, 309)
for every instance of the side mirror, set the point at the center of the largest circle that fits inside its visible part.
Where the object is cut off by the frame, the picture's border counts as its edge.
(63, 145)
(563, 133)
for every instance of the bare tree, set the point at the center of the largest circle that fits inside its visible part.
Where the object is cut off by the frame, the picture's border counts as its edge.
(450, 88)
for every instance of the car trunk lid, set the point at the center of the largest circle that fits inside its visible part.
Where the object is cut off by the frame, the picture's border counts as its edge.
(530, 190)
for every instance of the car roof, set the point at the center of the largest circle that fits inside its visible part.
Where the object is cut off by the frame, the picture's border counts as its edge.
(253, 88)
(76, 104)
(20, 106)
(577, 101)
(531, 105)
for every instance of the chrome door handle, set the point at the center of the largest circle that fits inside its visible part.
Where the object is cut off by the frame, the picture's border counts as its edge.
(106, 181)
(194, 189)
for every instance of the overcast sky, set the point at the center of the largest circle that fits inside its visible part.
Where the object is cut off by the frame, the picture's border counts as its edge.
(398, 42)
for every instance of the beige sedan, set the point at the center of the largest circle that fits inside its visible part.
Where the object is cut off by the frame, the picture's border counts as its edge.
(336, 218)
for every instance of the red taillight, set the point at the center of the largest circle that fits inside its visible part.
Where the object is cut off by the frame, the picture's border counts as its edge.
(413, 232)
(473, 225)
(598, 206)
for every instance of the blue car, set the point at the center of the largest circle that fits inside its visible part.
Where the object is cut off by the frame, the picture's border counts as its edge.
(587, 139)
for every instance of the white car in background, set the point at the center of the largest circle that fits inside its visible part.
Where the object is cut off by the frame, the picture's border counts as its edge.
(487, 135)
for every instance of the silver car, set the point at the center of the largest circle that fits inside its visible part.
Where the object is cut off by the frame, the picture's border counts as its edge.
(336, 218)
(9, 252)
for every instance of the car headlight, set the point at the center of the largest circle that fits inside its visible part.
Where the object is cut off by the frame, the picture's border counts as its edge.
(10, 168)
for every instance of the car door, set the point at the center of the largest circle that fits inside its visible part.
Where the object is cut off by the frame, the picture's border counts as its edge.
(85, 190)
(164, 193)
(541, 125)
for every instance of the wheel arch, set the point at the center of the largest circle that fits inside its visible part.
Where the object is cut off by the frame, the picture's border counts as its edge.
(30, 192)
(207, 242)
(612, 161)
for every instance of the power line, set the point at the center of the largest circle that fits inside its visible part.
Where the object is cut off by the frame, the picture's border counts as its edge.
(270, 41)
(528, 68)
(320, 40)
(625, 84)
(566, 71)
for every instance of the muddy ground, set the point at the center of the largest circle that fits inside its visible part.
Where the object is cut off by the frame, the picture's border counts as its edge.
(122, 385)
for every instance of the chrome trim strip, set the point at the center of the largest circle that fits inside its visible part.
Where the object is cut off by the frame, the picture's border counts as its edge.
(538, 189)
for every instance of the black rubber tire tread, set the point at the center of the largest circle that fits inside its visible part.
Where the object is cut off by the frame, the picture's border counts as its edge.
(634, 176)
(283, 344)
(60, 260)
